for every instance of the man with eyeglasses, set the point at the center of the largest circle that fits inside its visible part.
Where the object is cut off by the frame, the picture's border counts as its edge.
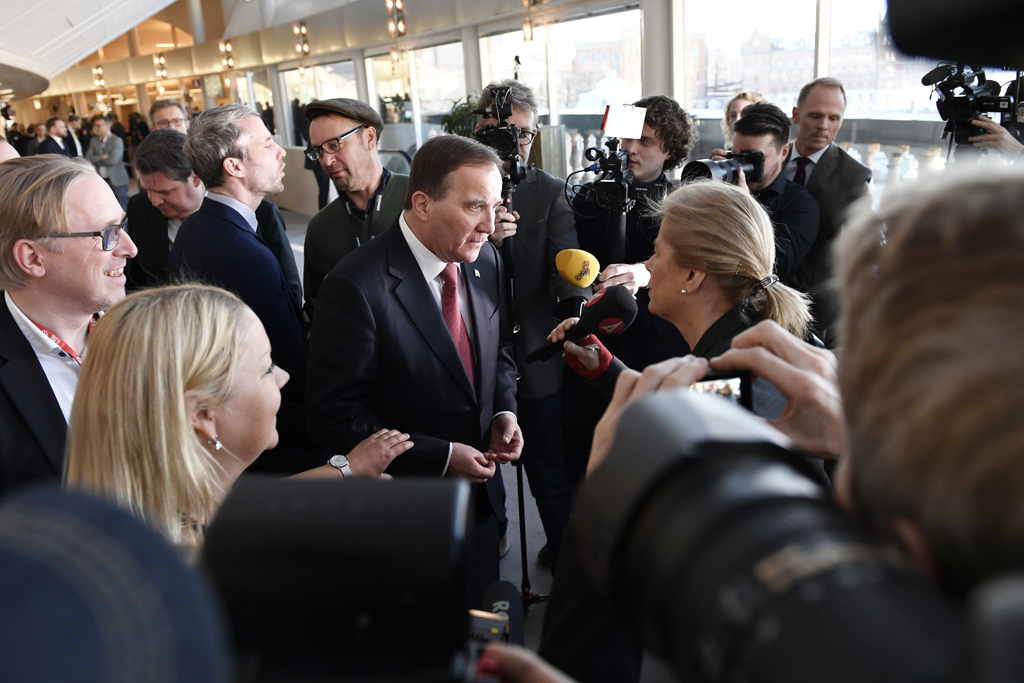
(169, 114)
(62, 259)
(235, 156)
(543, 223)
(343, 136)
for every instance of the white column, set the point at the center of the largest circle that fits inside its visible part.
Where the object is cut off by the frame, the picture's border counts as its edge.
(415, 95)
(823, 38)
(552, 74)
(471, 59)
(361, 68)
(661, 53)
(196, 23)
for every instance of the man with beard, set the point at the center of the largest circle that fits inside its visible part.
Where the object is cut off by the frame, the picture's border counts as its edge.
(234, 155)
(343, 137)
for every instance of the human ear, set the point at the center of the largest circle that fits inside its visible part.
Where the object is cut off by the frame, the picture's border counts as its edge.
(29, 257)
(421, 205)
(910, 537)
(694, 280)
(202, 418)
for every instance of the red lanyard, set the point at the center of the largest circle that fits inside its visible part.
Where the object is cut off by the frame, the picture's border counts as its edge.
(63, 345)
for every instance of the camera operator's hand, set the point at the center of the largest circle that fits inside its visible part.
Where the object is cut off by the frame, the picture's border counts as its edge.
(720, 154)
(470, 464)
(996, 136)
(514, 664)
(504, 226)
(632, 277)
(806, 376)
(631, 386)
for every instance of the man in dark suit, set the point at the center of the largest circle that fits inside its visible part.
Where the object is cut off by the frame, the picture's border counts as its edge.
(542, 225)
(74, 140)
(171, 192)
(834, 179)
(53, 143)
(51, 298)
(232, 152)
(105, 153)
(410, 333)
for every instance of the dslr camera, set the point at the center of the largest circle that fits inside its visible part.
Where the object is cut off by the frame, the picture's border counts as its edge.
(964, 93)
(502, 137)
(751, 161)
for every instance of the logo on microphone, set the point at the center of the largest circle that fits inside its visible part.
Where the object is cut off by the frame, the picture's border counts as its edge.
(584, 272)
(597, 297)
(611, 325)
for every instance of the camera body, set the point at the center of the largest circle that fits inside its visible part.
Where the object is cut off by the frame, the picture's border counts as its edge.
(964, 93)
(727, 170)
(610, 191)
(502, 137)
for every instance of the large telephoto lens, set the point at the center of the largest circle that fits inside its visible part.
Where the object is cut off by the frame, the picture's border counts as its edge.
(722, 552)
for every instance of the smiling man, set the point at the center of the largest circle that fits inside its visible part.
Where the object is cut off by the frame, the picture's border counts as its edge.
(834, 179)
(234, 155)
(62, 258)
(343, 136)
(410, 332)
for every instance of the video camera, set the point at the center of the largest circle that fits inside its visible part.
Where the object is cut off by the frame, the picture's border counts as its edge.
(722, 551)
(727, 170)
(502, 137)
(964, 93)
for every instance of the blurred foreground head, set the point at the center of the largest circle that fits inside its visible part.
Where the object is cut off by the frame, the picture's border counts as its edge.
(932, 374)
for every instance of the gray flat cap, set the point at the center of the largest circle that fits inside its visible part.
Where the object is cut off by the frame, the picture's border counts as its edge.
(350, 109)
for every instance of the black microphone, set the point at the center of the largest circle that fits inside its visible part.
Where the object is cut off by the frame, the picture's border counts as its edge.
(610, 311)
(503, 599)
(939, 73)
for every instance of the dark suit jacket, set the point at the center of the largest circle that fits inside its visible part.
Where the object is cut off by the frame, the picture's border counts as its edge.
(837, 181)
(216, 245)
(50, 146)
(381, 356)
(148, 228)
(32, 426)
(69, 142)
(545, 227)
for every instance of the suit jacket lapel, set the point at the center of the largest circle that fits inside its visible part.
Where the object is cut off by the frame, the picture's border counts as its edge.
(415, 297)
(22, 377)
(826, 165)
(484, 335)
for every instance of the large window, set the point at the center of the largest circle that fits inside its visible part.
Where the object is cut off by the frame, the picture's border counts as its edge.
(500, 53)
(336, 80)
(597, 62)
(755, 47)
(440, 81)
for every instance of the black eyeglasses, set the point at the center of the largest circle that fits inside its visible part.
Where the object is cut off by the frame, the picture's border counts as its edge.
(109, 234)
(170, 123)
(332, 146)
(527, 135)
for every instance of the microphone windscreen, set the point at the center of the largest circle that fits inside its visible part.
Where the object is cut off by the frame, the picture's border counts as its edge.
(577, 267)
(502, 598)
(610, 311)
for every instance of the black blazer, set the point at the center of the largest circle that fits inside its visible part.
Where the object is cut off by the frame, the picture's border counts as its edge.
(381, 356)
(50, 146)
(215, 245)
(32, 426)
(148, 228)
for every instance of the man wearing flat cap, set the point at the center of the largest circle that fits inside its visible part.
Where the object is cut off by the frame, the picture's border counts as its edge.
(343, 136)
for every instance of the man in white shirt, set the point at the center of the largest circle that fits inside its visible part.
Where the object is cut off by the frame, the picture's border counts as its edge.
(834, 179)
(59, 271)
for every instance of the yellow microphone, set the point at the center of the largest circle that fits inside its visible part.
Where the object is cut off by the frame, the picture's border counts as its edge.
(577, 267)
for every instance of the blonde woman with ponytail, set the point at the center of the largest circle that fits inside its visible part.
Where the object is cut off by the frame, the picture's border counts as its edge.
(711, 277)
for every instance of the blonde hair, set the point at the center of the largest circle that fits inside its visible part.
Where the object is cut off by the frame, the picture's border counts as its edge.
(131, 435)
(751, 95)
(33, 203)
(722, 230)
(932, 376)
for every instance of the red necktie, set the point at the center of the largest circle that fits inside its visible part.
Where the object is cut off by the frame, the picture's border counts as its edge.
(800, 177)
(453, 318)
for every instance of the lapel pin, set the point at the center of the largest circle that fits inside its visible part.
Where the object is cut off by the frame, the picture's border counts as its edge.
(476, 272)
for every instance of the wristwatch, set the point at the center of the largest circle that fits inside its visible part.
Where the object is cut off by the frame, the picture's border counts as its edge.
(341, 462)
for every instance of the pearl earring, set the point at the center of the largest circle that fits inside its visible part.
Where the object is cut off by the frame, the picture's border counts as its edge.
(683, 291)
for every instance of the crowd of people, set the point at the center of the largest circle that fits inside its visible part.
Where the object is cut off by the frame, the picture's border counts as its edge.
(155, 348)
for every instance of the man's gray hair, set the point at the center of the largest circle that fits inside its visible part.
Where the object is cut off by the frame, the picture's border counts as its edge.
(215, 136)
(519, 95)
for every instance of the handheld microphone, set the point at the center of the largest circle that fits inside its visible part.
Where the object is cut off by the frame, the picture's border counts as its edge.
(610, 311)
(570, 307)
(577, 267)
(503, 600)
